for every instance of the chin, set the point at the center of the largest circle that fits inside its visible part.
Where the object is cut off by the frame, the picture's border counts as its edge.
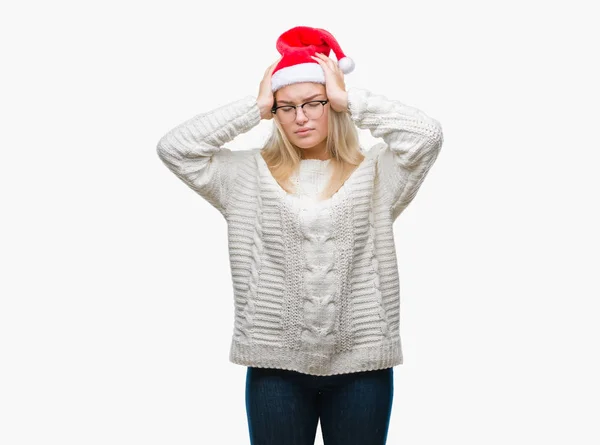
(306, 143)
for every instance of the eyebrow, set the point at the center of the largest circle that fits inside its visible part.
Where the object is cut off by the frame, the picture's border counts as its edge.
(305, 99)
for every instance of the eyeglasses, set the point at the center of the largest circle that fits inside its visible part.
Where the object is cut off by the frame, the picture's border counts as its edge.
(312, 110)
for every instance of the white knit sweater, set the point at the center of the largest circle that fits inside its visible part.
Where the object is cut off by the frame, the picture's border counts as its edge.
(315, 284)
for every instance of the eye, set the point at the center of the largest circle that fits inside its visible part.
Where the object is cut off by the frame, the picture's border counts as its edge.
(313, 104)
(286, 109)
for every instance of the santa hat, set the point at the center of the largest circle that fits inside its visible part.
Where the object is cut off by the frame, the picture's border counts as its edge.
(296, 46)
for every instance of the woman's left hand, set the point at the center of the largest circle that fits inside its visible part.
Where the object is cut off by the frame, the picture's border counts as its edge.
(334, 83)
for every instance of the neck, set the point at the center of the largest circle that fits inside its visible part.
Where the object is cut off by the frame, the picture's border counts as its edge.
(317, 152)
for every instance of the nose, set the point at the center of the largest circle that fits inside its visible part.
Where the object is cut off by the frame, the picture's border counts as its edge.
(300, 116)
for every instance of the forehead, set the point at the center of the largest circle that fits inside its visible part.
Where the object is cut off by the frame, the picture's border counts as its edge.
(297, 92)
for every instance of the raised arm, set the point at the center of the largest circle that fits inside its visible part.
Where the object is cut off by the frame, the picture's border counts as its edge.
(412, 143)
(194, 150)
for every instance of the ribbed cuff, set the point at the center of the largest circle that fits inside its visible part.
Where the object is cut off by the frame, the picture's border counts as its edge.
(357, 103)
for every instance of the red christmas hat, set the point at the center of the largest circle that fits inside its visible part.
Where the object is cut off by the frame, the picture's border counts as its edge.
(296, 45)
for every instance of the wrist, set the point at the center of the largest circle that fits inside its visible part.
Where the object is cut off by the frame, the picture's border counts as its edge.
(340, 102)
(265, 109)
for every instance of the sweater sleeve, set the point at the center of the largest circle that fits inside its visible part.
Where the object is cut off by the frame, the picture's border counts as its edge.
(194, 150)
(412, 143)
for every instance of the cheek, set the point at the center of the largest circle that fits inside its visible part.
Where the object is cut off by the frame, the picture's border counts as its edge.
(289, 134)
(322, 125)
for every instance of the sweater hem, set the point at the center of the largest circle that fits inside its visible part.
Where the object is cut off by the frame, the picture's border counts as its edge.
(368, 358)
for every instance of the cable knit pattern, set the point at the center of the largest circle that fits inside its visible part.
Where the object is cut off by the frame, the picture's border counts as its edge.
(316, 226)
(315, 283)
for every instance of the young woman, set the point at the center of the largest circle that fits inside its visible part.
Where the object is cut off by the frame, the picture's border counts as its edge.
(312, 253)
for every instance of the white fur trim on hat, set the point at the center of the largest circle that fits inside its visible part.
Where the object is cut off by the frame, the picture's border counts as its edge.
(301, 72)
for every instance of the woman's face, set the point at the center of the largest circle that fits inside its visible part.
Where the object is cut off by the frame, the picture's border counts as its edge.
(313, 142)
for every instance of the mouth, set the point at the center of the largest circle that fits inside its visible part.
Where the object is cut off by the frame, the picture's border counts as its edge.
(305, 130)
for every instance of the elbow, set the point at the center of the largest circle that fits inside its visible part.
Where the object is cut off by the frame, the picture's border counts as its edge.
(431, 143)
(160, 149)
(163, 148)
(435, 135)
(166, 154)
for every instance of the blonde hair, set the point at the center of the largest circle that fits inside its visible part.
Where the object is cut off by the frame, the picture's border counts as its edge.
(283, 158)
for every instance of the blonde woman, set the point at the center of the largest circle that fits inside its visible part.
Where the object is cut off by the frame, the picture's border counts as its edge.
(312, 254)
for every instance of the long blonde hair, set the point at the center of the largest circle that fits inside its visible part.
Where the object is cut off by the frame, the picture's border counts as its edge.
(283, 158)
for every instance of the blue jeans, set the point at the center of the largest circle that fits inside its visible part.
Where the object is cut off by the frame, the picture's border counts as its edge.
(284, 407)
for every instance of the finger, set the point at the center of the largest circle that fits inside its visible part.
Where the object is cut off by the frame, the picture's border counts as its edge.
(321, 62)
(271, 67)
(323, 57)
(328, 61)
(328, 66)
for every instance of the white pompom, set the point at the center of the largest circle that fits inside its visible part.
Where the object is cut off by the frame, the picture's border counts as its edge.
(346, 64)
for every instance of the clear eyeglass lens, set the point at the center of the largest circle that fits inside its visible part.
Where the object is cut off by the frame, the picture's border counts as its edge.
(312, 110)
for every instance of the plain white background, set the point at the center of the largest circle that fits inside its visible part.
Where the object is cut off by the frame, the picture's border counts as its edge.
(116, 307)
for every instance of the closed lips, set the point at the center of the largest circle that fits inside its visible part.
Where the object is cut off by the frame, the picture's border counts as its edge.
(303, 130)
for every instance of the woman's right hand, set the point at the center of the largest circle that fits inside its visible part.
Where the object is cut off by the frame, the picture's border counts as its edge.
(265, 97)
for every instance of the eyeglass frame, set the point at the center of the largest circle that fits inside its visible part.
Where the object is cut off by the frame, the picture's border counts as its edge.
(323, 102)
